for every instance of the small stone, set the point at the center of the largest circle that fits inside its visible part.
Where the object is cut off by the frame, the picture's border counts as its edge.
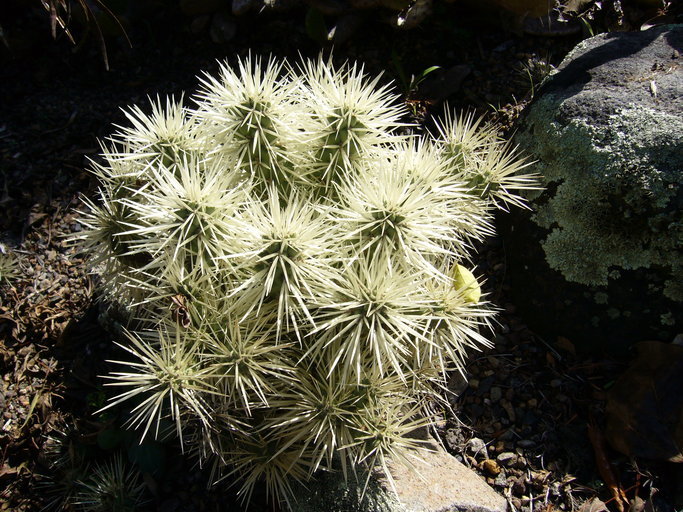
(440, 483)
(496, 394)
(474, 384)
(509, 410)
(555, 383)
(519, 487)
(533, 403)
(458, 383)
(493, 361)
(526, 443)
(477, 446)
(506, 458)
(490, 467)
(508, 435)
(454, 438)
(501, 480)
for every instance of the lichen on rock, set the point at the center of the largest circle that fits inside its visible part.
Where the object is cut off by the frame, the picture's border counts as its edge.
(616, 202)
(606, 132)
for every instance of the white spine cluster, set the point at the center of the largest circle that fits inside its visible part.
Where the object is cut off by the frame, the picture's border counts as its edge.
(298, 264)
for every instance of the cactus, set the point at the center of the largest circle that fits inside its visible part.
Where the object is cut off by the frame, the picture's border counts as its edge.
(295, 266)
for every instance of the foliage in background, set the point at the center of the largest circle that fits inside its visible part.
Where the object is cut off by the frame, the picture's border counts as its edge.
(294, 265)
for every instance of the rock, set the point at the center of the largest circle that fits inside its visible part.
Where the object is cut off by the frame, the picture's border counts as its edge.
(443, 484)
(446, 485)
(506, 458)
(454, 438)
(476, 447)
(496, 394)
(519, 486)
(457, 383)
(602, 251)
(490, 467)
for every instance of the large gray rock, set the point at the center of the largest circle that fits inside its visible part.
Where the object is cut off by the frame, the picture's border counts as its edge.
(440, 483)
(601, 259)
(437, 483)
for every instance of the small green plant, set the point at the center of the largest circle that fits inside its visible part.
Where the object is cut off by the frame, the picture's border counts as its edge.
(296, 271)
(110, 487)
(9, 266)
(409, 87)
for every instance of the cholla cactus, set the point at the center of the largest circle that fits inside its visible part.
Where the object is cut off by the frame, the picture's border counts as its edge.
(297, 268)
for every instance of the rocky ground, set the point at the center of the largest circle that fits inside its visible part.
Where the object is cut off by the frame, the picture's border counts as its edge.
(525, 410)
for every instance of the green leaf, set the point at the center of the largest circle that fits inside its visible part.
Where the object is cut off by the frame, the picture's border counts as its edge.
(417, 80)
(425, 72)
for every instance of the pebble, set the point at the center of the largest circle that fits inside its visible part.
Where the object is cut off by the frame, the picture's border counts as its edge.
(477, 447)
(496, 394)
(526, 443)
(490, 467)
(453, 438)
(506, 458)
(509, 410)
(485, 384)
(521, 463)
(458, 383)
(518, 486)
(501, 480)
(493, 361)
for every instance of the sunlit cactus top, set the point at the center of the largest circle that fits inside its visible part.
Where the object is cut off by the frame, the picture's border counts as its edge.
(301, 265)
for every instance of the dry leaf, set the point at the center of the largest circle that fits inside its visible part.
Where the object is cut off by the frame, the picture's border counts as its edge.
(594, 505)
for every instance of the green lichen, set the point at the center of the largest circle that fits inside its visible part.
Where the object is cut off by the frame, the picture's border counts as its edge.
(616, 203)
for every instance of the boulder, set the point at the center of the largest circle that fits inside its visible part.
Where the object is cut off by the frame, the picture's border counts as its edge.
(600, 259)
(437, 483)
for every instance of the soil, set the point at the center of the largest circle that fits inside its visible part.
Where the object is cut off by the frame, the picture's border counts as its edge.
(522, 415)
